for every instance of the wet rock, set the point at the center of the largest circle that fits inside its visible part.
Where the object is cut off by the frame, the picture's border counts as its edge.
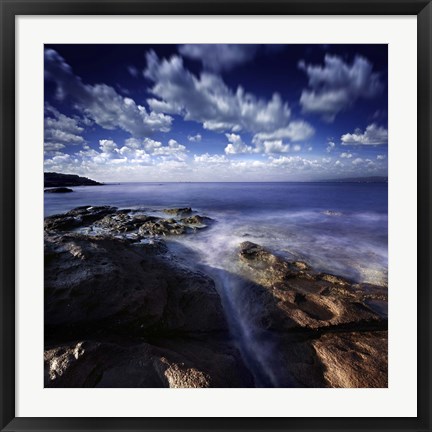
(196, 220)
(110, 221)
(306, 299)
(178, 211)
(161, 227)
(58, 190)
(327, 330)
(78, 217)
(124, 221)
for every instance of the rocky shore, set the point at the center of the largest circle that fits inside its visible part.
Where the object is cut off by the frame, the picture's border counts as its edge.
(123, 310)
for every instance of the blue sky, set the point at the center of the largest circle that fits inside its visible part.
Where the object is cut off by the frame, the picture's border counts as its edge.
(216, 112)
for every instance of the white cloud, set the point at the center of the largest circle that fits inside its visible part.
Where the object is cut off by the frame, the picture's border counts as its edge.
(330, 146)
(219, 57)
(53, 147)
(211, 159)
(195, 138)
(346, 155)
(173, 150)
(295, 131)
(60, 130)
(275, 146)
(101, 102)
(295, 162)
(296, 147)
(207, 99)
(373, 135)
(337, 85)
(358, 161)
(380, 157)
(236, 145)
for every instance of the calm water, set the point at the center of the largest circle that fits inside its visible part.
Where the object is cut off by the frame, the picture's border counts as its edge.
(336, 227)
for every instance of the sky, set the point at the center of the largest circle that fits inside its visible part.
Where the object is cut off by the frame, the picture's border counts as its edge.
(132, 113)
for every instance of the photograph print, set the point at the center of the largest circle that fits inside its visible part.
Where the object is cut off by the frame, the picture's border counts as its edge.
(215, 216)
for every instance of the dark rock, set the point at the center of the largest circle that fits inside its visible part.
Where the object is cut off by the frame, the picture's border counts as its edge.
(174, 363)
(161, 227)
(178, 211)
(197, 220)
(100, 282)
(78, 217)
(58, 190)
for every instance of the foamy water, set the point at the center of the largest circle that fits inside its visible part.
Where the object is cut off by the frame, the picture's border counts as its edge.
(336, 227)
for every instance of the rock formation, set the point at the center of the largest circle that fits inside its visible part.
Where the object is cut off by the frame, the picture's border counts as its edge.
(122, 310)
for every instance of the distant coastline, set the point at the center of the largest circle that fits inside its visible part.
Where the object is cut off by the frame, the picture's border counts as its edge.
(55, 180)
(375, 179)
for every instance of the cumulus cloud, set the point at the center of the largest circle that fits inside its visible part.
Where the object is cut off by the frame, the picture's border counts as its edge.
(101, 102)
(211, 159)
(236, 145)
(346, 155)
(60, 130)
(219, 57)
(336, 85)
(275, 146)
(195, 138)
(380, 157)
(373, 135)
(295, 162)
(209, 101)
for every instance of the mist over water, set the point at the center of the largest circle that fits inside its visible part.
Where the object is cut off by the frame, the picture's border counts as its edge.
(336, 227)
(340, 228)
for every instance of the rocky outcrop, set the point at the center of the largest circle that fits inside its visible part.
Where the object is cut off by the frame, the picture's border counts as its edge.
(58, 190)
(109, 220)
(121, 310)
(76, 218)
(125, 313)
(328, 331)
(53, 179)
(99, 283)
(179, 211)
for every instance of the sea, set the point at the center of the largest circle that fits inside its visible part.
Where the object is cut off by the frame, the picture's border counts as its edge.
(336, 227)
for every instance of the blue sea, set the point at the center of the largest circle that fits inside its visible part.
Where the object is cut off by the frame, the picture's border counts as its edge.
(336, 227)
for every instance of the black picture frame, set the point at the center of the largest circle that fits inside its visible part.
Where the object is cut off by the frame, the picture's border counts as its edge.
(9, 9)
